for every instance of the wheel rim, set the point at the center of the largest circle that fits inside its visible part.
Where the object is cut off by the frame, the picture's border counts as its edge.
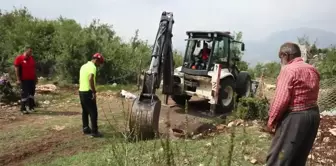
(229, 91)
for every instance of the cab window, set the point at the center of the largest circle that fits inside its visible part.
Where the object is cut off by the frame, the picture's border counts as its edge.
(220, 53)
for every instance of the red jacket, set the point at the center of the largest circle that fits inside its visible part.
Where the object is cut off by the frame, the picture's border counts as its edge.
(26, 66)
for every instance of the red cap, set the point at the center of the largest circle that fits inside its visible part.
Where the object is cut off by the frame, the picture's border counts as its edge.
(99, 57)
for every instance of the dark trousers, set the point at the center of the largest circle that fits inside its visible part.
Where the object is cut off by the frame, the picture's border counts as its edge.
(89, 108)
(294, 138)
(27, 94)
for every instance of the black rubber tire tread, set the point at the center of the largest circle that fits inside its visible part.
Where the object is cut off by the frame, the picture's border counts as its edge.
(220, 109)
(242, 79)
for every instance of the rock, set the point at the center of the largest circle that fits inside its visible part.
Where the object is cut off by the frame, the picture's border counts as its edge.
(231, 124)
(311, 156)
(197, 136)
(326, 139)
(333, 131)
(253, 161)
(220, 127)
(58, 128)
(246, 158)
(239, 122)
(186, 161)
(208, 144)
(176, 133)
(242, 143)
(46, 88)
(127, 95)
(263, 136)
(47, 102)
(255, 122)
(318, 133)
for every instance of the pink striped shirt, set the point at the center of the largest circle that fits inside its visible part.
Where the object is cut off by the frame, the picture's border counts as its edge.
(297, 89)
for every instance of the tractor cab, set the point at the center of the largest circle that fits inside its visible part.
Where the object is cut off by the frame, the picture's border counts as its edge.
(204, 49)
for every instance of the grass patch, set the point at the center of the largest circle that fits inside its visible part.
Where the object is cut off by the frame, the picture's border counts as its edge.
(213, 151)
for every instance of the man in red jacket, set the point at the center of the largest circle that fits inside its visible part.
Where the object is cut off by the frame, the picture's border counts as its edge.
(25, 71)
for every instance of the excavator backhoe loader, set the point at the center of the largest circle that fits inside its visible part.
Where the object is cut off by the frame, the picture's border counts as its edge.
(209, 71)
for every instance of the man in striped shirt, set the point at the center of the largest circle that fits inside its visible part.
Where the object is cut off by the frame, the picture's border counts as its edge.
(293, 114)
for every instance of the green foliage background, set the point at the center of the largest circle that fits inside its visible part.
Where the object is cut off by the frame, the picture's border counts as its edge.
(61, 46)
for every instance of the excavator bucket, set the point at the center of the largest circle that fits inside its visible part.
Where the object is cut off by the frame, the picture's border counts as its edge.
(144, 118)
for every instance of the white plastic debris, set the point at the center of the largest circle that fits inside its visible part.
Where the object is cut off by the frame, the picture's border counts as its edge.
(127, 95)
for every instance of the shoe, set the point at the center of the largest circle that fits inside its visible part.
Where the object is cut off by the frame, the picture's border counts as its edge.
(96, 134)
(87, 130)
(25, 112)
(31, 110)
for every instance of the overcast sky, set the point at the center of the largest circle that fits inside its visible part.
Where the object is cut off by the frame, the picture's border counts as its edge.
(256, 18)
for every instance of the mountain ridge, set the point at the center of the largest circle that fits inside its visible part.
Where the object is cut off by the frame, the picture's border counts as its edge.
(265, 50)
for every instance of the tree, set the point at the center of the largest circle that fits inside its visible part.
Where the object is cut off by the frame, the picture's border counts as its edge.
(178, 58)
(61, 46)
(236, 51)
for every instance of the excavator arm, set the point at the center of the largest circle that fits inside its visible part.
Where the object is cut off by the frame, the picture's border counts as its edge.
(144, 116)
(162, 59)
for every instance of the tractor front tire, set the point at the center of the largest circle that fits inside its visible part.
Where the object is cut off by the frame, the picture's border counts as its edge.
(181, 99)
(226, 96)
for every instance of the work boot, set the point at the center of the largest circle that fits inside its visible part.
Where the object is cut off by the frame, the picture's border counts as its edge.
(96, 134)
(31, 105)
(24, 110)
(87, 130)
(30, 110)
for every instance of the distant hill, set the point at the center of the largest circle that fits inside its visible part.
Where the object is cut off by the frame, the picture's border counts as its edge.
(267, 49)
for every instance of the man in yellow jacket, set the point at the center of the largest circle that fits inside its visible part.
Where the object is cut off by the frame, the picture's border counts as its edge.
(87, 94)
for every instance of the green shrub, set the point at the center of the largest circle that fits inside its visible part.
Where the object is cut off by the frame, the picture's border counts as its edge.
(250, 108)
(8, 94)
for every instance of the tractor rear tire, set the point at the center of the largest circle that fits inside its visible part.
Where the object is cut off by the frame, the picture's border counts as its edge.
(244, 85)
(226, 96)
(181, 99)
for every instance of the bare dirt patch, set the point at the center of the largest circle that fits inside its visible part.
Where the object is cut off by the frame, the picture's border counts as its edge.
(10, 114)
(40, 146)
(324, 150)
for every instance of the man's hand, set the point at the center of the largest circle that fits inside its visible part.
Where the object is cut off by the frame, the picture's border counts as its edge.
(18, 82)
(268, 130)
(94, 96)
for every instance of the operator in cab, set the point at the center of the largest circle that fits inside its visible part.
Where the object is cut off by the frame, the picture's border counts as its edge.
(205, 52)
